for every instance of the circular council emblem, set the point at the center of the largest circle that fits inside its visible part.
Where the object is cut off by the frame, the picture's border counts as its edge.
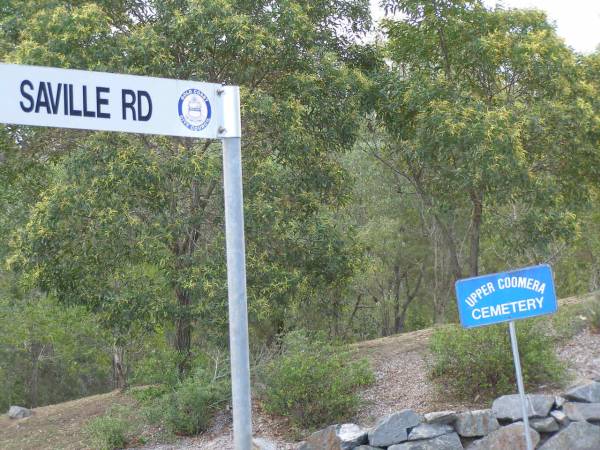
(194, 109)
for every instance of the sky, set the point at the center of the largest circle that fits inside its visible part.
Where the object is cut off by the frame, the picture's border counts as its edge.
(577, 21)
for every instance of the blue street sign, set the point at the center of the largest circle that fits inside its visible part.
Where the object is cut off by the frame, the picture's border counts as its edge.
(502, 297)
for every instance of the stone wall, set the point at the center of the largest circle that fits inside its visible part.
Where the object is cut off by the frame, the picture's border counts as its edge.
(567, 422)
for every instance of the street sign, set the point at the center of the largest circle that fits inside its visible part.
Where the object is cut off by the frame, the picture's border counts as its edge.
(65, 98)
(506, 296)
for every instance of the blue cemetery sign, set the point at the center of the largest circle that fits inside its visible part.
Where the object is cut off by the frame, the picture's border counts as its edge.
(506, 296)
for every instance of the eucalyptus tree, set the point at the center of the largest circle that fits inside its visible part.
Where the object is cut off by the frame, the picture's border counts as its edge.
(132, 226)
(485, 116)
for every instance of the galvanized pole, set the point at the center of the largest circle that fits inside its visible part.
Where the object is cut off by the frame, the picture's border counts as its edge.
(236, 283)
(515, 351)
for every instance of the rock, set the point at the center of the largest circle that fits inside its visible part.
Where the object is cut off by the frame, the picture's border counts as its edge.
(446, 442)
(560, 417)
(544, 425)
(393, 428)
(351, 435)
(508, 437)
(588, 392)
(336, 437)
(508, 407)
(559, 401)
(367, 447)
(582, 411)
(445, 417)
(18, 412)
(428, 431)
(476, 423)
(577, 436)
(263, 444)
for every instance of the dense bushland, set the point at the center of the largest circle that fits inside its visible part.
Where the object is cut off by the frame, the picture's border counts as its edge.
(376, 173)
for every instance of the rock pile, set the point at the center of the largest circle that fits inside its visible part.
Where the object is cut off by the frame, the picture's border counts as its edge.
(568, 422)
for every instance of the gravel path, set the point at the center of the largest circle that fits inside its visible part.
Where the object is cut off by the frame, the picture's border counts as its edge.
(582, 356)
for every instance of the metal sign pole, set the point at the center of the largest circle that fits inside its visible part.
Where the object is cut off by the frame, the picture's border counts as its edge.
(517, 360)
(236, 281)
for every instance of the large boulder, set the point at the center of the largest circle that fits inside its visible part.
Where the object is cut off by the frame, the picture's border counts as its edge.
(588, 392)
(476, 423)
(336, 437)
(508, 407)
(445, 442)
(544, 424)
(582, 411)
(18, 412)
(263, 444)
(577, 436)
(560, 417)
(393, 429)
(428, 431)
(510, 437)
(444, 417)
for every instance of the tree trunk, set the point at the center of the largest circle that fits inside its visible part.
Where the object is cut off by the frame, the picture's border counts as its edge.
(398, 324)
(446, 234)
(410, 296)
(118, 364)
(477, 199)
(594, 283)
(354, 311)
(183, 327)
(400, 319)
(36, 352)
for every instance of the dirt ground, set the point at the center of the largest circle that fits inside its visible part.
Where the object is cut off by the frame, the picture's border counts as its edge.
(57, 426)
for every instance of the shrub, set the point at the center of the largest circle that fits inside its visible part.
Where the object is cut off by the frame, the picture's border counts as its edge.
(188, 407)
(107, 432)
(568, 321)
(479, 362)
(158, 365)
(593, 313)
(313, 383)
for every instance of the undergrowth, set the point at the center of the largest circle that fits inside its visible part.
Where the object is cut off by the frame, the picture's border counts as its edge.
(312, 382)
(478, 363)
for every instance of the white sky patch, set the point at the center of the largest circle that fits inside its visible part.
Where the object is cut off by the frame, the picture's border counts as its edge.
(577, 21)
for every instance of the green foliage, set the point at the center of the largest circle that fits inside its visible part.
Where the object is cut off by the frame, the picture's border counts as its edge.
(313, 383)
(157, 366)
(48, 353)
(109, 431)
(187, 407)
(592, 313)
(478, 363)
(481, 129)
(567, 322)
(488, 125)
(132, 226)
(190, 408)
